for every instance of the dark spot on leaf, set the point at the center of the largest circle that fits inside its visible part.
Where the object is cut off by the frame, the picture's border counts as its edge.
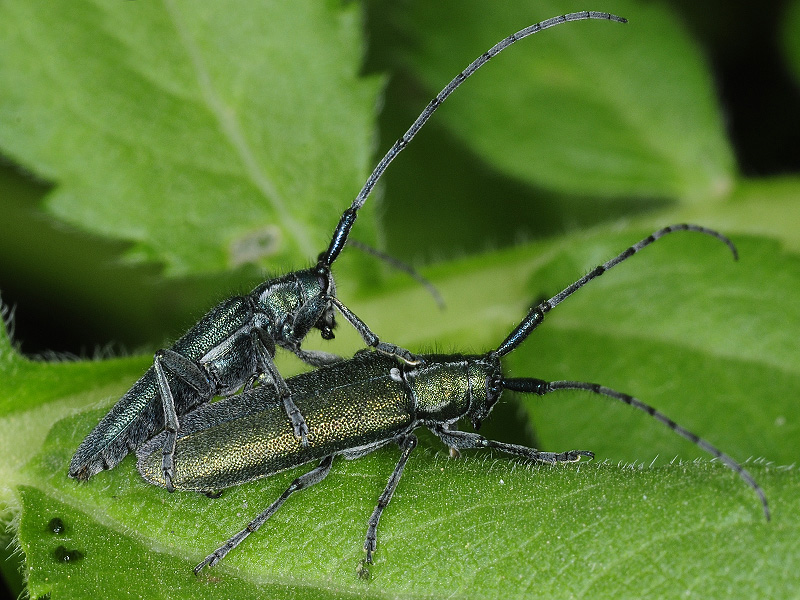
(62, 554)
(56, 526)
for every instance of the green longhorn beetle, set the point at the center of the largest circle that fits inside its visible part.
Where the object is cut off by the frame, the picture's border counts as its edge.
(355, 407)
(233, 346)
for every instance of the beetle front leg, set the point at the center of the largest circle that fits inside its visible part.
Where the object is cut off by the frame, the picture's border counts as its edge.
(267, 365)
(317, 358)
(371, 339)
(407, 444)
(184, 369)
(464, 439)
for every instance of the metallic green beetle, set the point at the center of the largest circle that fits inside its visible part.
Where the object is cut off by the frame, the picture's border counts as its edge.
(234, 344)
(355, 407)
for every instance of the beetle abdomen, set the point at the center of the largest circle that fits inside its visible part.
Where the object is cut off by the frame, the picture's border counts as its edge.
(347, 405)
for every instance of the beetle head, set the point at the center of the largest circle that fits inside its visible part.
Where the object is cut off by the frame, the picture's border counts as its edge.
(483, 397)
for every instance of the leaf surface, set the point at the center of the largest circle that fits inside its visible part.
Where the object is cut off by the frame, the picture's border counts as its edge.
(573, 109)
(487, 525)
(208, 135)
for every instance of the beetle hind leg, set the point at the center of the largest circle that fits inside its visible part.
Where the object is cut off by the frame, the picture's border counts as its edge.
(307, 480)
(184, 369)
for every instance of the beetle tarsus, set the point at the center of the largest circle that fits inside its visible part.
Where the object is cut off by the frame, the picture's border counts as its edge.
(398, 352)
(299, 425)
(167, 460)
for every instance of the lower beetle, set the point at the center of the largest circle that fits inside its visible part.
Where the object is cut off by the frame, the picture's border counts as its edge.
(357, 406)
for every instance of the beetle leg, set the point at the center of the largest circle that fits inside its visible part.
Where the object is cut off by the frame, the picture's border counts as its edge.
(407, 444)
(314, 476)
(267, 365)
(371, 339)
(317, 358)
(186, 370)
(464, 439)
(454, 453)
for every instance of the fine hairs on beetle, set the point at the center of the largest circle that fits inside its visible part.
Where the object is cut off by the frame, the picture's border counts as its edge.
(230, 349)
(375, 399)
(360, 405)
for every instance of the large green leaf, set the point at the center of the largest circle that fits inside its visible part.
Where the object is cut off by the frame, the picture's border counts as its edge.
(675, 326)
(179, 112)
(476, 528)
(591, 108)
(208, 134)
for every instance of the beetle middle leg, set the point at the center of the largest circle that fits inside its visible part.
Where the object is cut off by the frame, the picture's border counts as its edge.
(265, 350)
(314, 476)
(185, 370)
(407, 445)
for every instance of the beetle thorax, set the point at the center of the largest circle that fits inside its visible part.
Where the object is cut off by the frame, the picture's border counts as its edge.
(285, 295)
(295, 303)
(446, 388)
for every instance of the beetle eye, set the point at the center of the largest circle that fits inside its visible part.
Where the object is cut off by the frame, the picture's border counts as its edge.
(324, 274)
(496, 386)
(327, 323)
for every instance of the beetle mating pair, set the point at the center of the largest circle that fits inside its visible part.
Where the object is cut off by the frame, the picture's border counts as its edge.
(357, 406)
(348, 408)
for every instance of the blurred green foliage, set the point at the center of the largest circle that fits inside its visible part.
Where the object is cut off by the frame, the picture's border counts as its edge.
(162, 157)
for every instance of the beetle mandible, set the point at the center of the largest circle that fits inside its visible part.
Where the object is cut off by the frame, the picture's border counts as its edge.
(233, 345)
(370, 401)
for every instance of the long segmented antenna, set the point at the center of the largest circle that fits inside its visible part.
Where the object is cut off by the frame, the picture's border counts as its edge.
(536, 315)
(401, 266)
(349, 217)
(541, 387)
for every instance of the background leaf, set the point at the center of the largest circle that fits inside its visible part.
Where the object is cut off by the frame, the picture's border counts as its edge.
(599, 120)
(791, 37)
(201, 133)
(709, 341)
